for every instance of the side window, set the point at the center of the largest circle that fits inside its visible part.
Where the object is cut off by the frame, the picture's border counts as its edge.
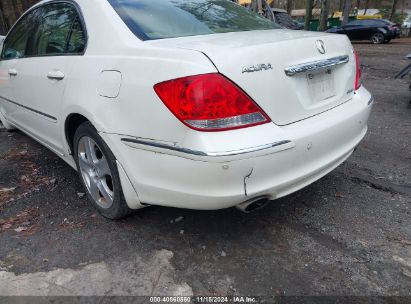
(355, 23)
(16, 41)
(380, 23)
(59, 32)
(370, 22)
(77, 40)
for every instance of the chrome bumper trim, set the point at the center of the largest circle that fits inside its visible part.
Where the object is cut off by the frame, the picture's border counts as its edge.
(316, 65)
(201, 153)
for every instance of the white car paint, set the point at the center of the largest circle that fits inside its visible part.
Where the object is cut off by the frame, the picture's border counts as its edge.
(162, 161)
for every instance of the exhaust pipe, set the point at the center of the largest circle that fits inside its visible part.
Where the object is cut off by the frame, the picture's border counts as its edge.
(253, 204)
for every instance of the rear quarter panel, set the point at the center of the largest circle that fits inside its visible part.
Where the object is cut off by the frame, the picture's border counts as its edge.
(137, 110)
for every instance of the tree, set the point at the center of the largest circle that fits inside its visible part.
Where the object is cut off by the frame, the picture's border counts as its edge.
(11, 10)
(325, 7)
(308, 14)
(340, 5)
(3, 24)
(358, 4)
(393, 9)
(346, 12)
(262, 8)
(289, 6)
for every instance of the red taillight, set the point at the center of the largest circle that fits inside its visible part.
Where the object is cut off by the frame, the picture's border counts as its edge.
(357, 72)
(210, 102)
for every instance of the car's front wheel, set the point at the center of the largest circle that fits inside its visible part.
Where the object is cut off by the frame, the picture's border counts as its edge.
(98, 172)
(377, 38)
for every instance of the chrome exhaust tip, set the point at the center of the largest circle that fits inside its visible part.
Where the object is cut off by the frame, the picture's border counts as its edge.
(253, 204)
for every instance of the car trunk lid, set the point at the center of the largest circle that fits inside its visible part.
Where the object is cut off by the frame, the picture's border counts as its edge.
(285, 72)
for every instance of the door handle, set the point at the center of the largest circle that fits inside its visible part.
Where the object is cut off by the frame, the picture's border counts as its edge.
(55, 75)
(12, 72)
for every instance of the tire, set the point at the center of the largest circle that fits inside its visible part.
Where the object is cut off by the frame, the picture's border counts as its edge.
(98, 173)
(377, 38)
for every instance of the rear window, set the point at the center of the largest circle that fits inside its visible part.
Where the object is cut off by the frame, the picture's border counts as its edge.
(159, 19)
(356, 22)
(388, 22)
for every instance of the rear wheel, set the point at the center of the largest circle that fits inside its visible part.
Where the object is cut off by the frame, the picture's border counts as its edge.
(98, 172)
(377, 38)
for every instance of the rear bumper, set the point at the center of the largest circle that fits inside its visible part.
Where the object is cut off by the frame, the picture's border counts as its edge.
(165, 174)
(393, 35)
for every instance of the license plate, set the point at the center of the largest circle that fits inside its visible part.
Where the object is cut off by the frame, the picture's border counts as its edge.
(321, 85)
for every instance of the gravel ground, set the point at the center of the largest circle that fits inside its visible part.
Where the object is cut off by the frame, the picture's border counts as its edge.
(347, 234)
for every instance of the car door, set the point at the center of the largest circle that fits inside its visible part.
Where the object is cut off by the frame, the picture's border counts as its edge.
(351, 30)
(51, 52)
(13, 50)
(369, 27)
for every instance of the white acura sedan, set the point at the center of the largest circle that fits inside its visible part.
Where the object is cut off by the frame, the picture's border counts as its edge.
(196, 104)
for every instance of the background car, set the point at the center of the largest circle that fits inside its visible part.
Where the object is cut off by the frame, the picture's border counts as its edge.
(376, 30)
(285, 20)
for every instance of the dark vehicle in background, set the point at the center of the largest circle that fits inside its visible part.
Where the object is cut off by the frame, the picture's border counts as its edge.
(405, 71)
(396, 28)
(285, 20)
(376, 30)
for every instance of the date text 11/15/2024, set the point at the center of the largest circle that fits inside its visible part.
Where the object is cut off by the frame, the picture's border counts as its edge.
(203, 299)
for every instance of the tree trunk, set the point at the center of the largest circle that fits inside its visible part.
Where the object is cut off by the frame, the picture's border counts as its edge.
(308, 14)
(289, 6)
(346, 12)
(11, 10)
(393, 8)
(3, 26)
(325, 7)
(341, 5)
(358, 4)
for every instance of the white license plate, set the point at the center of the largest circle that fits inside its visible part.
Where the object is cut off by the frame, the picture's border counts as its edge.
(321, 85)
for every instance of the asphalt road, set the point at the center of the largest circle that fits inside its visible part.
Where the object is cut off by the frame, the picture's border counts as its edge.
(347, 234)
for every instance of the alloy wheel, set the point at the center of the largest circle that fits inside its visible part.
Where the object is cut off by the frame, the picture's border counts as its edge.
(377, 38)
(96, 172)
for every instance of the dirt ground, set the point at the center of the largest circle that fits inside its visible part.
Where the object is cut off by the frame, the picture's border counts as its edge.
(347, 234)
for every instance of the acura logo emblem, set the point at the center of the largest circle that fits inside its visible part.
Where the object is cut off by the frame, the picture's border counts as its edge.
(321, 46)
